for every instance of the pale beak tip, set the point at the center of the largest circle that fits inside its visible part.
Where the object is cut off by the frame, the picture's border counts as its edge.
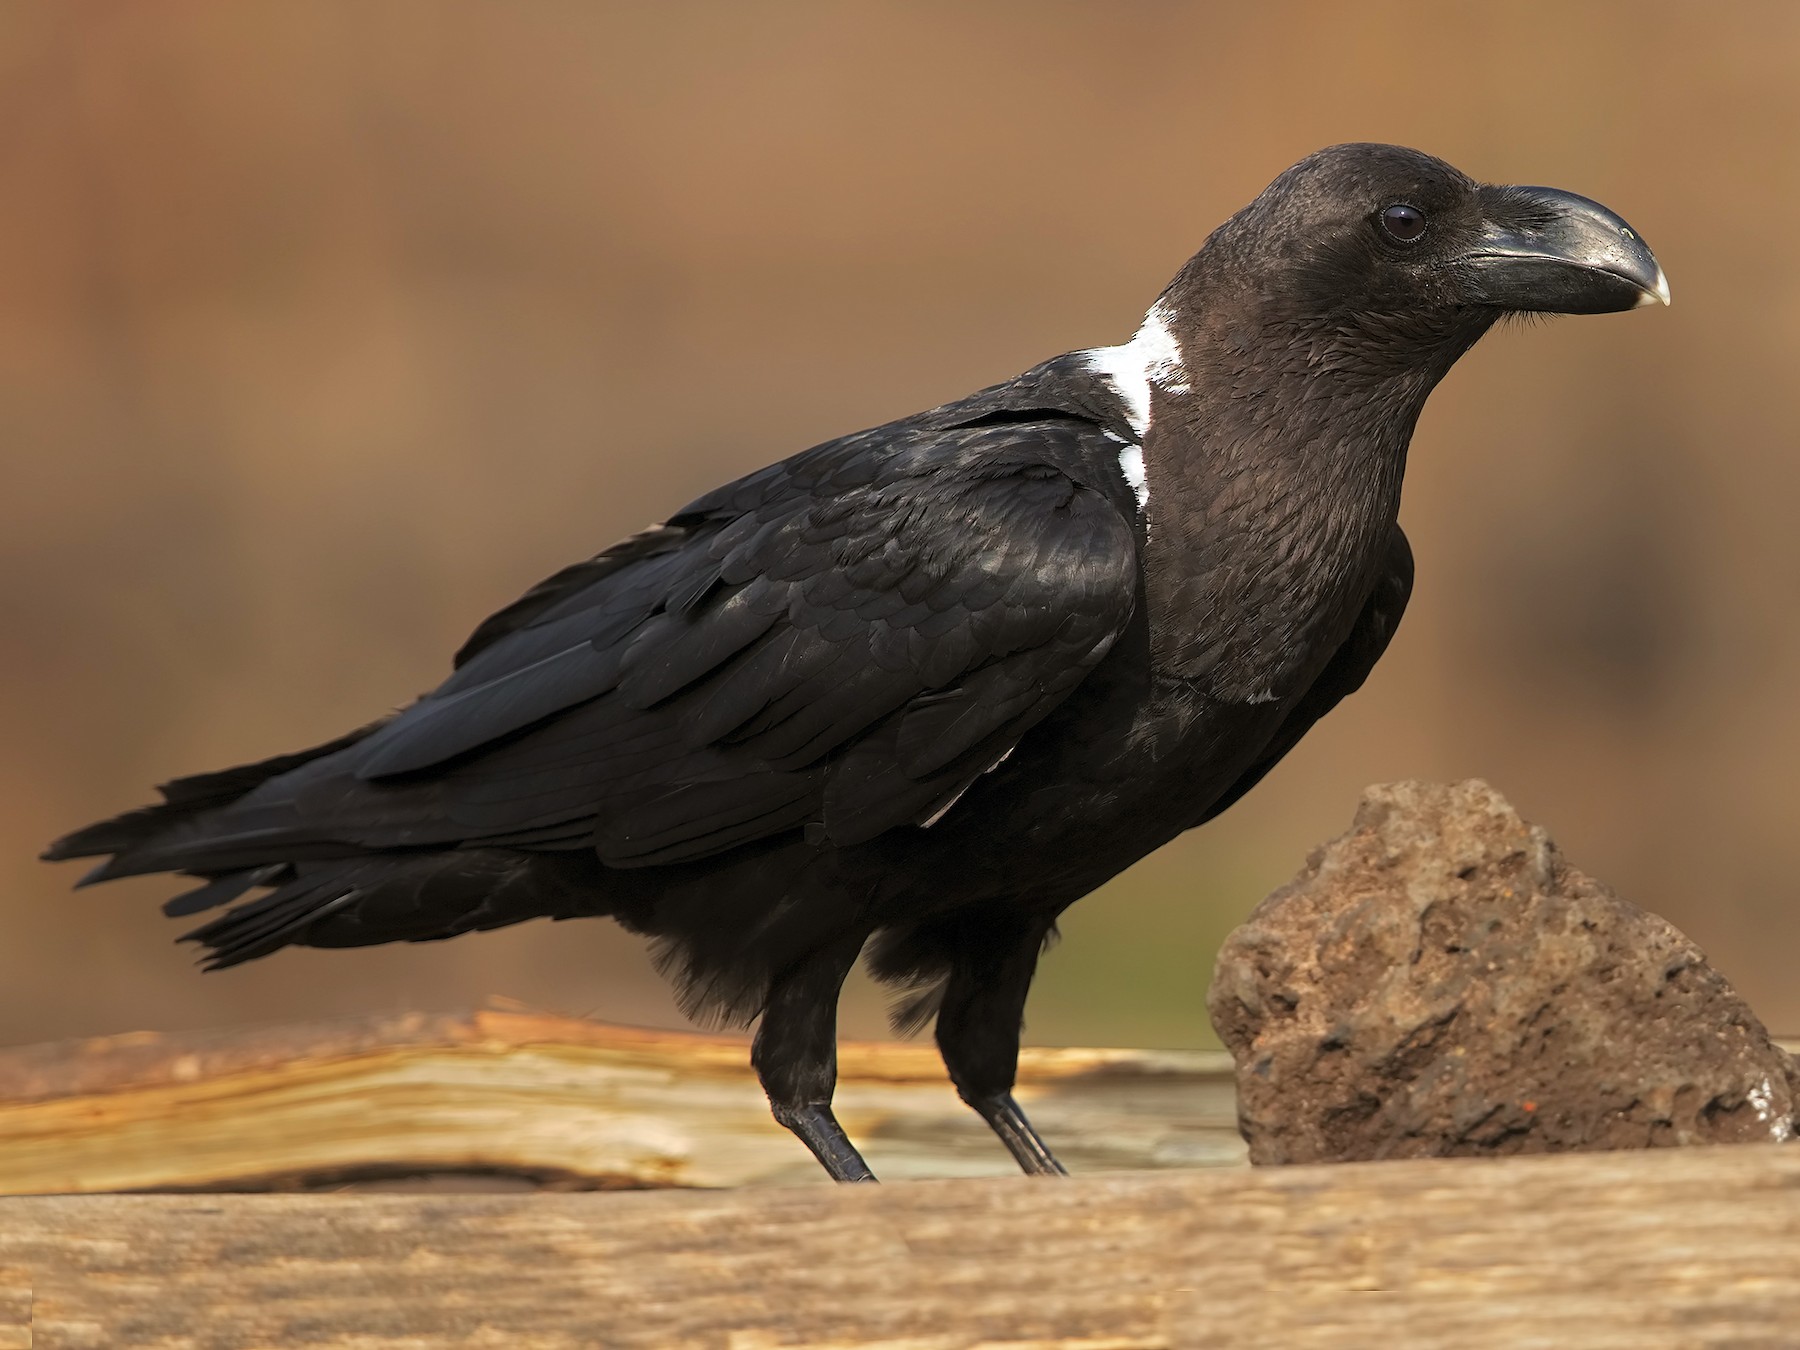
(1659, 295)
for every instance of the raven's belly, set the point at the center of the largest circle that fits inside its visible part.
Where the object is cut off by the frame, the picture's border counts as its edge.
(1083, 797)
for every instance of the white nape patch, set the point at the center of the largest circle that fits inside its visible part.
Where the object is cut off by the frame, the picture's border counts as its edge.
(1131, 464)
(1151, 358)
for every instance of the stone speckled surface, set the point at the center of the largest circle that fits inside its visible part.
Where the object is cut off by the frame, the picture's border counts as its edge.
(1440, 981)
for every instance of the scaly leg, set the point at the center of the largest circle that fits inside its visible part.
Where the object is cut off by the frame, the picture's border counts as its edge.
(978, 1027)
(795, 1055)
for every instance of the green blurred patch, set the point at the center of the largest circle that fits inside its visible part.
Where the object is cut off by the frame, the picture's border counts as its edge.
(1136, 956)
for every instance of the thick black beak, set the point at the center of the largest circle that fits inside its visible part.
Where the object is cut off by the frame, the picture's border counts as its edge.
(1552, 252)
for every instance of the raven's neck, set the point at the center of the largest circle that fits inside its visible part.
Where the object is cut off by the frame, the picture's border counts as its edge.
(1274, 466)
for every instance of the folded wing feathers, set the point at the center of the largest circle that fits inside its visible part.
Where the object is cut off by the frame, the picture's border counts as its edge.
(718, 709)
(847, 662)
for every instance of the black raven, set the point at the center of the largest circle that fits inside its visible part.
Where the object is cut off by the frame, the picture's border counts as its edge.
(916, 690)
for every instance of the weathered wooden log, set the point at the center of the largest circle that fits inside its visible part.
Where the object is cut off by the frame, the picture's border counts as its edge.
(548, 1101)
(1646, 1250)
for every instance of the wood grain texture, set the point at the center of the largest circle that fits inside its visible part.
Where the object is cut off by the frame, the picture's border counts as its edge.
(1680, 1248)
(554, 1100)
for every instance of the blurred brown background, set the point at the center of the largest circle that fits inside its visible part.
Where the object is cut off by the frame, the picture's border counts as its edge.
(327, 328)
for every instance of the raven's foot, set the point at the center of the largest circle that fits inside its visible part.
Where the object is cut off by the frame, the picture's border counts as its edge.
(1003, 1115)
(819, 1130)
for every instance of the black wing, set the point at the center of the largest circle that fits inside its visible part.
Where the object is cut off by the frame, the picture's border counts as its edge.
(1344, 673)
(840, 643)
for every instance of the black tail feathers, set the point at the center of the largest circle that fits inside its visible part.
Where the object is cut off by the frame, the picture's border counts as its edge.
(319, 892)
(419, 896)
(268, 923)
(223, 890)
(148, 829)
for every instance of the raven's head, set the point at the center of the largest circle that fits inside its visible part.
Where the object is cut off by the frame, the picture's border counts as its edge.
(1375, 233)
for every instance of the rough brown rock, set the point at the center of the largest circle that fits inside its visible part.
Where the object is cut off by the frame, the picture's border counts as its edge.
(1439, 981)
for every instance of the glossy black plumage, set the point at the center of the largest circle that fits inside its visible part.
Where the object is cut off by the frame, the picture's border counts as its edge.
(916, 690)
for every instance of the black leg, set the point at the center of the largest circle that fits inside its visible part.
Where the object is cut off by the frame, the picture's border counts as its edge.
(1003, 1115)
(819, 1130)
(795, 1054)
(978, 1028)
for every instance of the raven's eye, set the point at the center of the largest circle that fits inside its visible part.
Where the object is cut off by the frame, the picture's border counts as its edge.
(1403, 224)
